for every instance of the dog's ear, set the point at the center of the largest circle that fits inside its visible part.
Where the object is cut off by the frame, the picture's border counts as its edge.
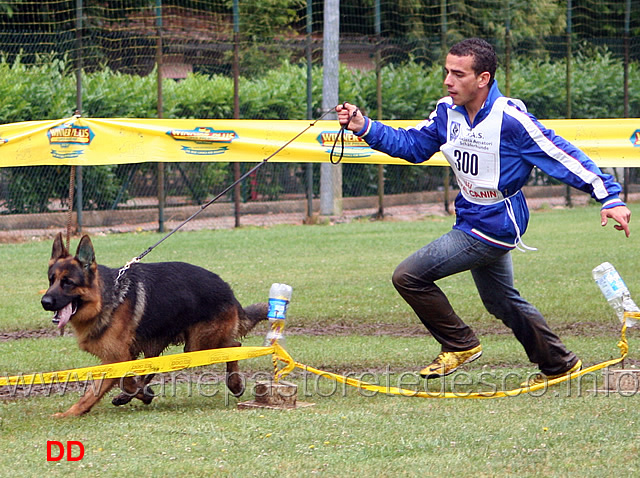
(59, 250)
(85, 254)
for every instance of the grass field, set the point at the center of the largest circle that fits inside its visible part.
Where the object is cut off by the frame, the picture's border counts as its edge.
(344, 317)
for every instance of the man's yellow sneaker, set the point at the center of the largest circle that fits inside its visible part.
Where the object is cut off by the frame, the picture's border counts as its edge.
(542, 378)
(448, 362)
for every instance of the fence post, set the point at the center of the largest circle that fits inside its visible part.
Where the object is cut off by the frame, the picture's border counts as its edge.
(568, 82)
(443, 46)
(308, 52)
(79, 66)
(79, 200)
(378, 60)
(330, 174)
(507, 51)
(627, 20)
(160, 166)
(236, 105)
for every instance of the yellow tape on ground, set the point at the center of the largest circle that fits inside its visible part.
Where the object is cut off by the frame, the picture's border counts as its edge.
(165, 363)
(172, 363)
(291, 364)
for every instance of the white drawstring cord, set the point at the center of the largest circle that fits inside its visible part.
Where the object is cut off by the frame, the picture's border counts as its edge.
(520, 245)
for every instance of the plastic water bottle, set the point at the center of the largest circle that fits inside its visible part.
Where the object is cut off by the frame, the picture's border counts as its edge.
(615, 291)
(279, 297)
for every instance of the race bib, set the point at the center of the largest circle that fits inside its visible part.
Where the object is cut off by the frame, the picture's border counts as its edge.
(474, 155)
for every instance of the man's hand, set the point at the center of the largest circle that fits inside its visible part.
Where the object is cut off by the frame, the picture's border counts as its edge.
(620, 214)
(348, 113)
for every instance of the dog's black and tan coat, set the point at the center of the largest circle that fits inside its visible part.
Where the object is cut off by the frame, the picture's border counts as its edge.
(149, 308)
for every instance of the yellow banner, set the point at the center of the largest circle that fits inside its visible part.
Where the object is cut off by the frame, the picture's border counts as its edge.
(95, 141)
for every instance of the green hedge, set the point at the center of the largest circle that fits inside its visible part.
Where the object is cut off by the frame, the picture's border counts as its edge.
(47, 91)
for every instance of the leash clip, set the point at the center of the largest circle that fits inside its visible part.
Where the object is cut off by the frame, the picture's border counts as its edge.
(126, 267)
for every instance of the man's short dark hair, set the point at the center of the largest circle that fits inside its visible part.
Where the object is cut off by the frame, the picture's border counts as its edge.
(484, 56)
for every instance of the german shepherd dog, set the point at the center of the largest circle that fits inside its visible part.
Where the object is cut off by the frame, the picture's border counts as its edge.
(149, 308)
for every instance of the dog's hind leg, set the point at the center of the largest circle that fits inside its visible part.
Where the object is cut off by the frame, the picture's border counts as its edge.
(235, 379)
(218, 334)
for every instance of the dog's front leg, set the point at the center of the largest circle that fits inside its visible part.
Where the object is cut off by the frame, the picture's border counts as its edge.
(93, 394)
(135, 387)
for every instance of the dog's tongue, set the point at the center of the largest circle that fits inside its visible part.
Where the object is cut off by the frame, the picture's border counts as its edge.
(63, 315)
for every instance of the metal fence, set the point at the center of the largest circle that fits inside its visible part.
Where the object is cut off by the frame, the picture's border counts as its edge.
(85, 44)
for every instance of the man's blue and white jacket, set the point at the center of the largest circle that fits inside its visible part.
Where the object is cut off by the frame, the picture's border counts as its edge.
(492, 160)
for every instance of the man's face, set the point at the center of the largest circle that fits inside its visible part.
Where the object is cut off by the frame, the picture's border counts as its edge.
(463, 85)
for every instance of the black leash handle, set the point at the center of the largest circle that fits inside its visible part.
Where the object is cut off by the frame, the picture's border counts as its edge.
(124, 269)
(340, 136)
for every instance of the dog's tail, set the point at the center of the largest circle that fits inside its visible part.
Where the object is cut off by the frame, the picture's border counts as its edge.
(252, 315)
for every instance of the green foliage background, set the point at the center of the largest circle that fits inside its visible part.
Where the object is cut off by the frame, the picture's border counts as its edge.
(409, 91)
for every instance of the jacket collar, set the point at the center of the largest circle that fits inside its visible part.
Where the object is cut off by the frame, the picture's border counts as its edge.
(494, 94)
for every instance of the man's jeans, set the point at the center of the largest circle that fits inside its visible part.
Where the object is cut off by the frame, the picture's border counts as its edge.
(492, 272)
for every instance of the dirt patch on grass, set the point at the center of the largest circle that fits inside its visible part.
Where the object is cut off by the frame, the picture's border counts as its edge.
(583, 329)
(29, 334)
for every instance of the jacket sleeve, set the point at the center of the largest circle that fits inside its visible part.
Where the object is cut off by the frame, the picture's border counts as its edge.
(416, 144)
(562, 160)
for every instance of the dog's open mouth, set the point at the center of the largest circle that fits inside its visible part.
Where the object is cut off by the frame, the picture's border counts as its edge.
(62, 316)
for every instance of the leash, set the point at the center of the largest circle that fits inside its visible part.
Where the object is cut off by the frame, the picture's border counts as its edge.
(136, 259)
(340, 136)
